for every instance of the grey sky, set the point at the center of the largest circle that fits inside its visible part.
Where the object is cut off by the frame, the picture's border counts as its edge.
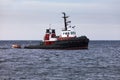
(28, 19)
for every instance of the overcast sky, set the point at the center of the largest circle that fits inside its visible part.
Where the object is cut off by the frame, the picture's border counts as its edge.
(28, 19)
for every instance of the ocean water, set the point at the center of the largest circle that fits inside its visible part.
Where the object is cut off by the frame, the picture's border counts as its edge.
(100, 62)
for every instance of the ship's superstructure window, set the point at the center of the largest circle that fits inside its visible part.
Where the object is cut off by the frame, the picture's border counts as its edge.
(73, 33)
(68, 33)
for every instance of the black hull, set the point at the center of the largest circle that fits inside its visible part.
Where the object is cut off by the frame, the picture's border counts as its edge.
(75, 43)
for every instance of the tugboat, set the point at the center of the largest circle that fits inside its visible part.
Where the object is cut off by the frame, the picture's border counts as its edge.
(67, 39)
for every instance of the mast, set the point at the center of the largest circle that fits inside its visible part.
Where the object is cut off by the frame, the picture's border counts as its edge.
(65, 20)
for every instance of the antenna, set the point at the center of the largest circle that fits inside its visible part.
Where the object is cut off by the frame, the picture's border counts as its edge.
(65, 19)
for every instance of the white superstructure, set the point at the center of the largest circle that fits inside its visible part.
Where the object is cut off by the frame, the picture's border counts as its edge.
(70, 32)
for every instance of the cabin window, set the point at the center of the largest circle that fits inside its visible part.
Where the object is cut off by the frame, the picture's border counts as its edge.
(73, 33)
(66, 33)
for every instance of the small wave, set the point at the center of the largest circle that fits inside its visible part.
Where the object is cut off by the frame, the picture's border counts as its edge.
(4, 48)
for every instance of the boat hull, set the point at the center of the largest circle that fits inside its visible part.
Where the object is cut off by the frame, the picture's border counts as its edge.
(75, 43)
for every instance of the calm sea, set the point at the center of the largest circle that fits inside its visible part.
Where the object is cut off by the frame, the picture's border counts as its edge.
(100, 62)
